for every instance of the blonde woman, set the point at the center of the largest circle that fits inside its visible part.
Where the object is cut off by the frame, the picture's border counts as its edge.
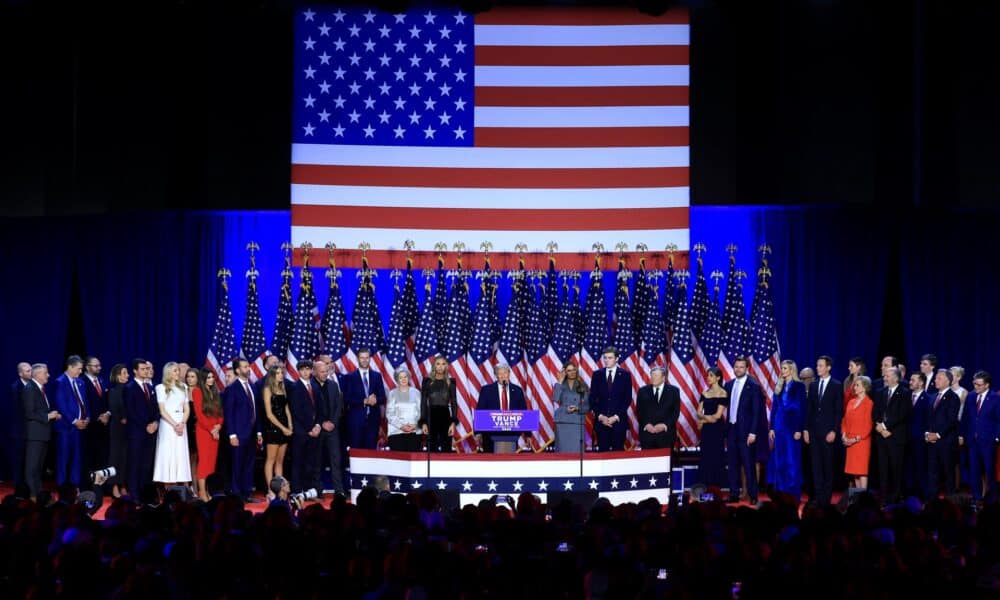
(788, 414)
(173, 462)
(278, 422)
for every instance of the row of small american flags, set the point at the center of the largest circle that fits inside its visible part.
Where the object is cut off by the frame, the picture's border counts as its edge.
(548, 323)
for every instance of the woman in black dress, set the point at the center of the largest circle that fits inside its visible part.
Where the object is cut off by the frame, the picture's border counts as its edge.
(277, 423)
(438, 407)
(712, 420)
(118, 444)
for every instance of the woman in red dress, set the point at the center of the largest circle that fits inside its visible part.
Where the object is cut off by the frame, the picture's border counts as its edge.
(856, 431)
(208, 423)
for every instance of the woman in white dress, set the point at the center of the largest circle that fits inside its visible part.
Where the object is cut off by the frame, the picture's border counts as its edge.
(173, 463)
(402, 413)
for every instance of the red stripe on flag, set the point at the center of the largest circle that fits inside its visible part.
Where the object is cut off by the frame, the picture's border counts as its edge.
(542, 219)
(554, 56)
(556, 15)
(492, 178)
(428, 259)
(641, 95)
(588, 137)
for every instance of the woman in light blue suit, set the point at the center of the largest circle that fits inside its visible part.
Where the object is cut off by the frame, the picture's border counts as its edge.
(569, 395)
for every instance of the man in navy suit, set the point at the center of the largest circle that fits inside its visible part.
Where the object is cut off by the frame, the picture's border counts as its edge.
(13, 417)
(239, 410)
(305, 401)
(983, 434)
(824, 412)
(97, 436)
(915, 457)
(501, 395)
(364, 400)
(941, 435)
(891, 414)
(71, 403)
(610, 397)
(38, 416)
(746, 401)
(142, 419)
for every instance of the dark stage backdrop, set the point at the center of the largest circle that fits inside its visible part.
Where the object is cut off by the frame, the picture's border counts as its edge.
(845, 282)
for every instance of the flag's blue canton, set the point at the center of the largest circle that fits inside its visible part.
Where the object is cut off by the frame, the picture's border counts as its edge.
(641, 296)
(411, 313)
(536, 338)
(700, 304)
(579, 327)
(455, 342)
(764, 337)
(481, 348)
(735, 331)
(564, 338)
(254, 343)
(711, 336)
(283, 323)
(425, 342)
(369, 77)
(395, 348)
(440, 304)
(682, 346)
(223, 346)
(669, 298)
(595, 337)
(305, 337)
(366, 320)
(551, 296)
(512, 336)
(334, 322)
(654, 337)
(624, 338)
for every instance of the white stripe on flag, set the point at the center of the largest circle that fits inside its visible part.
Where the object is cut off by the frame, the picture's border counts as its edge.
(587, 116)
(415, 197)
(613, 76)
(516, 158)
(582, 35)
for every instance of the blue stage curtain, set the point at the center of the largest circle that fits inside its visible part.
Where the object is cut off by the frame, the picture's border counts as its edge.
(949, 282)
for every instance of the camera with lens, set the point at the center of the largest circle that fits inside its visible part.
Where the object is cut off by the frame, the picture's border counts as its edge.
(300, 498)
(99, 476)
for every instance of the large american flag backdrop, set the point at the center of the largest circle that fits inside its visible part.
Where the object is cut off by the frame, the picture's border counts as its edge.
(516, 125)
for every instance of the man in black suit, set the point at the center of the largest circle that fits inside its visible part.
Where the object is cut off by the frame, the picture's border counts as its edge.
(891, 414)
(824, 412)
(915, 456)
(610, 397)
(13, 417)
(501, 395)
(38, 417)
(941, 435)
(745, 405)
(97, 435)
(305, 402)
(928, 366)
(658, 406)
(331, 409)
(888, 362)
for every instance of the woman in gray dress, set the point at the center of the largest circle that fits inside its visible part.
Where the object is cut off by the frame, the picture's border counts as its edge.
(569, 395)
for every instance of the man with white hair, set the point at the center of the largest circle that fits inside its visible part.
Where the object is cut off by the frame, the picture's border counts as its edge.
(38, 416)
(502, 394)
(658, 405)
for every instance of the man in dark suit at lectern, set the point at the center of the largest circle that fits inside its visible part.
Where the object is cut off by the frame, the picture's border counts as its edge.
(501, 395)
(610, 397)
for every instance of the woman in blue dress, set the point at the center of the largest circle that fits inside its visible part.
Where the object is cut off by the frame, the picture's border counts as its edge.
(712, 421)
(788, 408)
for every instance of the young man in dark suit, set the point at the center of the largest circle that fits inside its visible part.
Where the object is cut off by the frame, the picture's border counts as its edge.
(502, 394)
(97, 436)
(142, 419)
(824, 412)
(915, 454)
(891, 414)
(239, 409)
(305, 402)
(941, 435)
(610, 397)
(658, 405)
(13, 417)
(746, 401)
(983, 434)
(38, 416)
(364, 400)
(69, 396)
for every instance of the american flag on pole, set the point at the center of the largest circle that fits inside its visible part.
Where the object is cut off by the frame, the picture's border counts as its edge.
(641, 296)
(701, 306)
(366, 325)
(283, 322)
(334, 327)
(669, 296)
(735, 331)
(305, 337)
(254, 344)
(595, 337)
(623, 339)
(510, 348)
(766, 362)
(543, 366)
(684, 371)
(563, 123)
(455, 349)
(482, 349)
(395, 344)
(222, 349)
(425, 346)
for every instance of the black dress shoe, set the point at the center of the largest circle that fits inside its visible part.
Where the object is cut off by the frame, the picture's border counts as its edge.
(732, 499)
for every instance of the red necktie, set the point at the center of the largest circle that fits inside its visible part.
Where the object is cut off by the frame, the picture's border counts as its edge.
(253, 407)
(145, 390)
(938, 399)
(79, 400)
(309, 390)
(97, 384)
(979, 403)
(46, 396)
(503, 397)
